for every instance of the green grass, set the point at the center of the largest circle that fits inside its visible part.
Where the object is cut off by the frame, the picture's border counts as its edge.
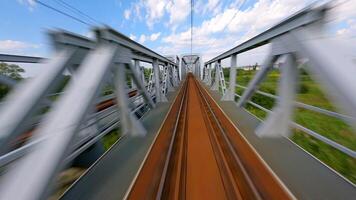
(332, 128)
(110, 138)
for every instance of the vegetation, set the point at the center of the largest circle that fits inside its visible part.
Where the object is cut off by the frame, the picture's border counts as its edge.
(12, 71)
(110, 138)
(332, 128)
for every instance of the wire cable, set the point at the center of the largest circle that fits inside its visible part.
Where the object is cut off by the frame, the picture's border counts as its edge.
(78, 11)
(62, 12)
(232, 18)
(191, 27)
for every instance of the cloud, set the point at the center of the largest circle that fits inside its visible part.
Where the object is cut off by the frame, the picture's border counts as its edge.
(132, 37)
(156, 10)
(13, 46)
(343, 10)
(213, 6)
(349, 31)
(29, 3)
(178, 10)
(231, 26)
(155, 36)
(142, 38)
(127, 14)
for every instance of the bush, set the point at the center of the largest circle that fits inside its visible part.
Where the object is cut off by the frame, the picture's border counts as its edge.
(303, 72)
(263, 101)
(303, 88)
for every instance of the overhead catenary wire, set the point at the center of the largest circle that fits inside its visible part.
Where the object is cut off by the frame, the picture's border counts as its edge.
(62, 12)
(191, 26)
(78, 11)
(242, 2)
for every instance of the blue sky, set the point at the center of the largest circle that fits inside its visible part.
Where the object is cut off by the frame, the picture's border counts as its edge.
(162, 25)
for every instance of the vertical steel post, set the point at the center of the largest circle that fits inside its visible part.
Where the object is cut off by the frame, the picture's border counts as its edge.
(170, 80)
(136, 70)
(257, 79)
(129, 122)
(142, 73)
(230, 92)
(215, 86)
(209, 75)
(156, 80)
(277, 122)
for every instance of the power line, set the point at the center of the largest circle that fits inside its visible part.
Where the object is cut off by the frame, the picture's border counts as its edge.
(233, 17)
(77, 11)
(191, 26)
(62, 12)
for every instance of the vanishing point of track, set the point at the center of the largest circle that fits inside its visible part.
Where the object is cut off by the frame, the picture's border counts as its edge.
(199, 154)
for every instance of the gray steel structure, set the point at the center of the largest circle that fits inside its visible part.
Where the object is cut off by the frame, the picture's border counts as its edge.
(191, 63)
(94, 63)
(71, 126)
(291, 39)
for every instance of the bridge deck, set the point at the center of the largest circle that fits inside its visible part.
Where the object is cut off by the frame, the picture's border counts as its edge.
(305, 176)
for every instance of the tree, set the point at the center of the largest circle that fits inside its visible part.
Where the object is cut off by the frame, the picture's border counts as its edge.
(11, 70)
(254, 67)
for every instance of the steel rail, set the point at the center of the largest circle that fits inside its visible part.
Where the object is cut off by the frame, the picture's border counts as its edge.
(250, 183)
(168, 157)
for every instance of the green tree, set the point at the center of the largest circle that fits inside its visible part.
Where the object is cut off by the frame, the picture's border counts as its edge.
(11, 70)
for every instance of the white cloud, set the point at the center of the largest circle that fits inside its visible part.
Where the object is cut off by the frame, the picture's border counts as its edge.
(349, 31)
(212, 6)
(29, 3)
(13, 46)
(220, 33)
(343, 10)
(127, 14)
(155, 10)
(155, 36)
(142, 38)
(132, 37)
(178, 10)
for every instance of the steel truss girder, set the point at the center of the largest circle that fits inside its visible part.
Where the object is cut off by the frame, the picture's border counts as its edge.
(58, 131)
(111, 35)
(304, 17)
(25, 100)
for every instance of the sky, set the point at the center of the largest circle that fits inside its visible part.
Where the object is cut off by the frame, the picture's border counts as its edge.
(162, 25)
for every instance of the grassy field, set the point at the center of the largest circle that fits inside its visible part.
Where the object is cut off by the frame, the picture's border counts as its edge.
(332, 128)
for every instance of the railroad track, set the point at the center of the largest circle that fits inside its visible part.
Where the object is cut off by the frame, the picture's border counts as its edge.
(199, 154)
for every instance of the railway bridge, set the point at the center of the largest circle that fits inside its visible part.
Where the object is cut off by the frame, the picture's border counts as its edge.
(184, 131)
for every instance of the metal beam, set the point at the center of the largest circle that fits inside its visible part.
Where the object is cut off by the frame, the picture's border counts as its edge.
(114, 36)
(304, 17)
(20, 59)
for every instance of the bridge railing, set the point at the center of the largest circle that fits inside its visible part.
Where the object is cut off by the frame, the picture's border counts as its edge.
(106, 60)
(293, 39)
